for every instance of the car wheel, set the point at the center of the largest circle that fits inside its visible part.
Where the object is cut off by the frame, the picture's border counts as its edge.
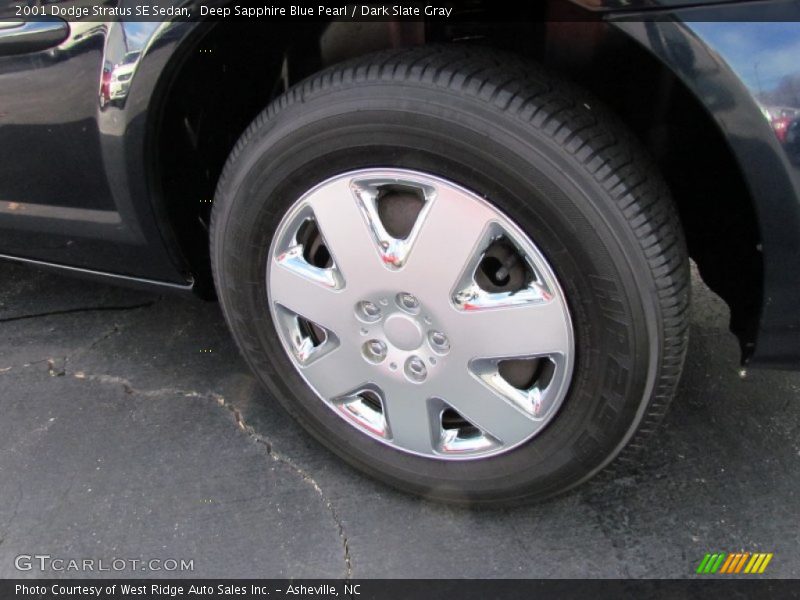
(456, 271)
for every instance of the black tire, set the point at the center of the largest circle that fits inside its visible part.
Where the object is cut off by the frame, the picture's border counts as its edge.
(549, 157)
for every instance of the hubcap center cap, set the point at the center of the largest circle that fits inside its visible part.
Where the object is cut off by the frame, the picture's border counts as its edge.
(403, 332)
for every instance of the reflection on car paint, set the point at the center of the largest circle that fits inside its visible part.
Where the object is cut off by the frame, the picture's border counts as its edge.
(127, 44)
(764, 56)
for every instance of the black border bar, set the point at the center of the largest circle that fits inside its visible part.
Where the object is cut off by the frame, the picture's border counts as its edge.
(400, 589)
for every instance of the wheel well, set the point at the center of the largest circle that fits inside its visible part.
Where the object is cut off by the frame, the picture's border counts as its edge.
(716, 209)
(235, 69)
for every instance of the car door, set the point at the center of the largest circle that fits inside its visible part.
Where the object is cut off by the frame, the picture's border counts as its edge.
(64, 191)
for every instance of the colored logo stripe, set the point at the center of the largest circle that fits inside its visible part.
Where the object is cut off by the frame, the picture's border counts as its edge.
(711, 562)
(734, 563)
(758, 563)
(727, 564)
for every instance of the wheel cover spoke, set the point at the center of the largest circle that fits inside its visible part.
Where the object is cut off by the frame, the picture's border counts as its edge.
(411, 417)
(532, 329)
(294, 289)
(485, 409)
(343, 227)
(448, 236)
(324, 374)
(450, 339)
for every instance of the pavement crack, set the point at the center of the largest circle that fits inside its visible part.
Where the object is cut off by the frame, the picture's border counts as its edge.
(348, 563)
(53, 370)
(69, 311)
(128, 387)
(298, 470)
(57, 367)
(26, 365)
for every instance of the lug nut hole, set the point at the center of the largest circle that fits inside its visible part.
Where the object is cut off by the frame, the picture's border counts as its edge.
(415, 369)
(374, 351)
(439, 342)
(408, 302)
(368, 311)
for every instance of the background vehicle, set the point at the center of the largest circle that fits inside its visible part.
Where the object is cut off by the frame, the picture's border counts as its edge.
(781, 117)
(456, 250)
(121, 75)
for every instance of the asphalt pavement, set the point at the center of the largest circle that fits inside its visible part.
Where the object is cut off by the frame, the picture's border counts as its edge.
(131, 429)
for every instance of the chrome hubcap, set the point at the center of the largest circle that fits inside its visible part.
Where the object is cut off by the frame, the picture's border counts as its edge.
(420, 314)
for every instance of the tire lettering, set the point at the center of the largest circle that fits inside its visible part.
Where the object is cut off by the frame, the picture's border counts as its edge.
(616, 377)
(605, 415)
(586, 447)
(607, 295)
